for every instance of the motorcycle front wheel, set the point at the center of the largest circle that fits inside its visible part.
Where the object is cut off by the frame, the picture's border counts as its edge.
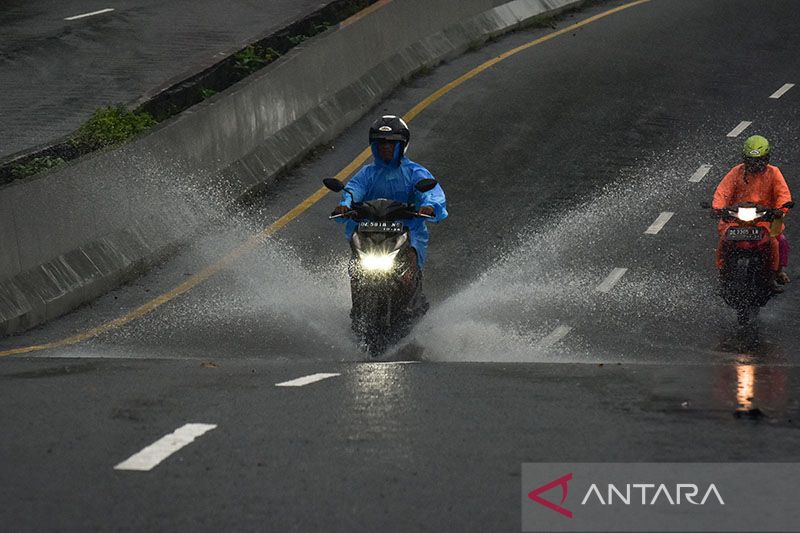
(746, 315)
(370, 326)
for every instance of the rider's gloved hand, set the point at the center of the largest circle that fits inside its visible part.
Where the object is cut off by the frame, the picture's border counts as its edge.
(427, 210)
(341, 210)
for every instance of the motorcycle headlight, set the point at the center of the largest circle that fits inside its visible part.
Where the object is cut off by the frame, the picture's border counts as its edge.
(378, 262)
(747, 214)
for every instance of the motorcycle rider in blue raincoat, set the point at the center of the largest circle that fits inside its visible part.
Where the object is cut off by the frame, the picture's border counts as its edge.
(392, 176)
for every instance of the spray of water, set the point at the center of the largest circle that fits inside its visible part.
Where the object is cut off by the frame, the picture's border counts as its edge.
(270, 302)
(270, 299)
(551, 277)
(504, 316)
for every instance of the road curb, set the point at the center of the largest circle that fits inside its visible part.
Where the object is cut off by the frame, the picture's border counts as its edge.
(72, 234)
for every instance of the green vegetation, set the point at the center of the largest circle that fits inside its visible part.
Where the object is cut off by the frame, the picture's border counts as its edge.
(35, 165)
(297, 39)
(114, 125)
(316, 30)
(109, 126)
(250, 59)
(319, 28)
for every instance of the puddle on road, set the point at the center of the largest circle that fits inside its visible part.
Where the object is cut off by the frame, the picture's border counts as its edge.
(755, 391)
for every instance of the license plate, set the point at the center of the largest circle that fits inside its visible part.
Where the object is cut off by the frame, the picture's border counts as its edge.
(744, 234)
(381, 227)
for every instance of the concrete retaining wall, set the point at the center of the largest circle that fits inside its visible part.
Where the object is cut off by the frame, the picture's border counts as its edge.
(70, 235)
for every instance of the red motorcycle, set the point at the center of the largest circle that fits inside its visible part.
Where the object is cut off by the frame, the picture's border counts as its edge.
(746, 277)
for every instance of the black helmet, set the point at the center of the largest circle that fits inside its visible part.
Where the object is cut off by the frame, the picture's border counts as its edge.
(390, 128)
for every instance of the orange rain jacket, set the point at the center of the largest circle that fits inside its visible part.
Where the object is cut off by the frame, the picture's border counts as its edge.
(766, 188)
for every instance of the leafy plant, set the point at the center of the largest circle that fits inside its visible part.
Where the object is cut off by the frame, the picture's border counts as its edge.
(270, 54)
(35, 165)
(316, 29)
(207, 93)
(297, 39)
(109, 126)
(319, 28)
(250, 60)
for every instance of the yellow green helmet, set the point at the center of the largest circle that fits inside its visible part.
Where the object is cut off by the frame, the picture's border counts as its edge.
(756, 147)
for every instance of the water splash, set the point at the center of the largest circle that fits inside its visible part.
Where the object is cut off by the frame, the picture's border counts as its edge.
(286, 303)
(270, 299)
(551, 277)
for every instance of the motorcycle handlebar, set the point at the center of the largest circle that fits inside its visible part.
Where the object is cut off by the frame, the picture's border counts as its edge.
(352, 215)
(776, 211)
(727, 213)
(348, 214)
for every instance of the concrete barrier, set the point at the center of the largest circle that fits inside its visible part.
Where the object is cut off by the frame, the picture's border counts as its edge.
(70, 235)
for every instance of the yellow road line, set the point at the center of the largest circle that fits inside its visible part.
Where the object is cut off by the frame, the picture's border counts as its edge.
(420, 107)
(363, 13)
(254, 241)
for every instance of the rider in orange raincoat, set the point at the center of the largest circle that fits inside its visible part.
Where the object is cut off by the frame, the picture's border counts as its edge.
(755, 180)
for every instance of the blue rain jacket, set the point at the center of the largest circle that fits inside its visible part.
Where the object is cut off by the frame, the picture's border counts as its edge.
(395, 181)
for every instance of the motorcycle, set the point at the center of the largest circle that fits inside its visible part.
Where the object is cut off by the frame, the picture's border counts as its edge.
(385, 282)
(746, 279)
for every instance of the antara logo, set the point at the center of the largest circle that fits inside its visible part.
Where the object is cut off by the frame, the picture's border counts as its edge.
(660, 493)
(647, 494)
(562, 482)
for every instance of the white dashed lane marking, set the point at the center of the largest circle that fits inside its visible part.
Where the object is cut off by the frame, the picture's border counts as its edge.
(306, 380)
(612, 280)
(659, 224)
(700, 173)
(151, 456)
(735, 132)
(93, 13)
(559, 333)
(783, 90)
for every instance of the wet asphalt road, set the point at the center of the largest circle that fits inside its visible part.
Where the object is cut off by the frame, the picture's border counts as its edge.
(555, 162)
(54, 73)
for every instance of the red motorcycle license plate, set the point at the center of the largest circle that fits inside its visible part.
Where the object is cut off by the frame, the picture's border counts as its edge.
(744, 234)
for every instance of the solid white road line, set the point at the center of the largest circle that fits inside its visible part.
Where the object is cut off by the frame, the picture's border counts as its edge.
(659, 224)
(743, 125)
(700, 173)
(305, 380)
(783, 90)
(150, 457)
(93, 13)
(559, 333)
(611, 280)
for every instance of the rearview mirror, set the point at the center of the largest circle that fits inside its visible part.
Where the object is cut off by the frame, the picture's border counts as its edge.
(333, 184)
(788, 205)
(426, 185)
